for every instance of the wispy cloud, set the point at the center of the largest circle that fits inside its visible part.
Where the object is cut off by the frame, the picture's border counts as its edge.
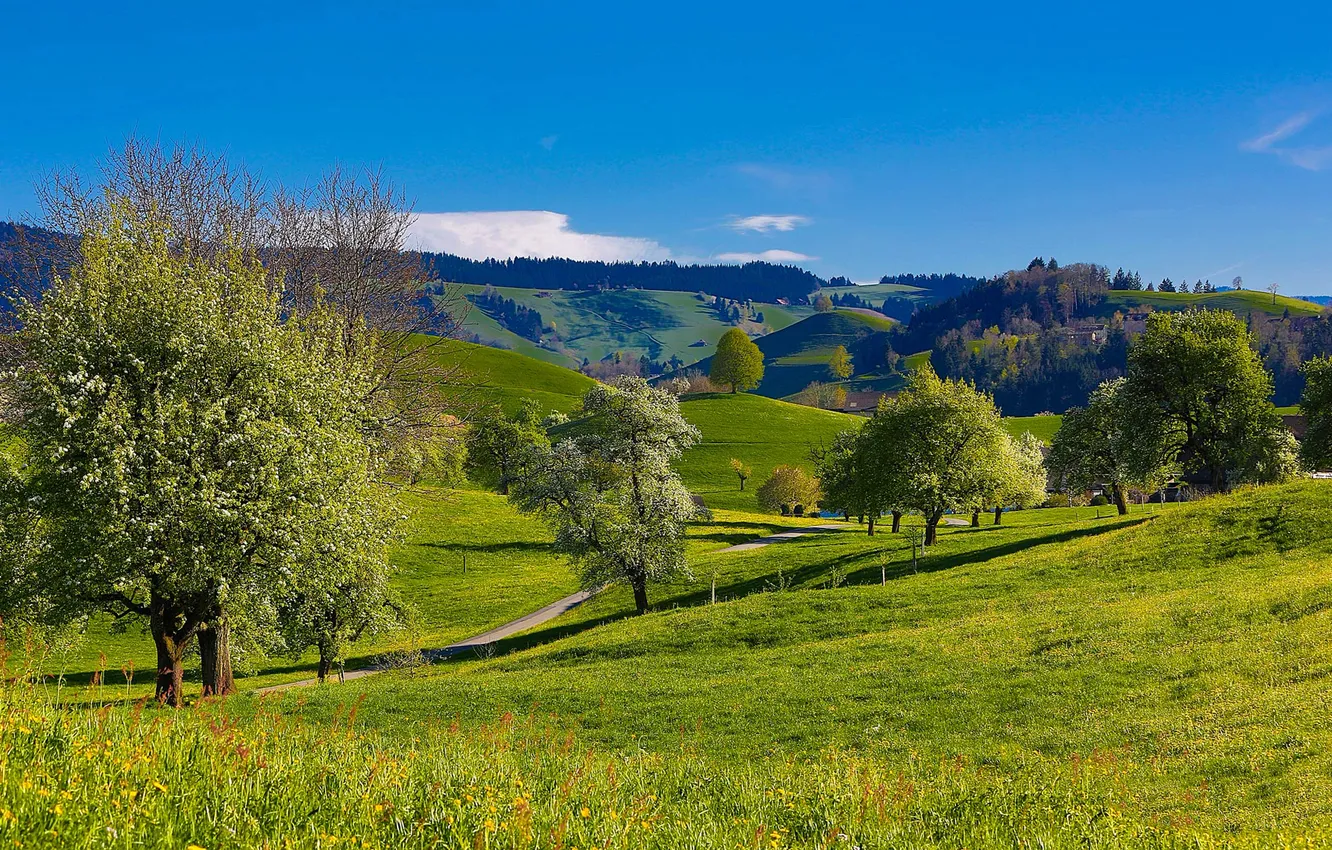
(786, 179)
(548, 142)
(772, 256)
(1308, 157)
(767, 223)
(525, 233)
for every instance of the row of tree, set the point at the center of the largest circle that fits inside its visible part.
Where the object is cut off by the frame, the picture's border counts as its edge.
(518, 318)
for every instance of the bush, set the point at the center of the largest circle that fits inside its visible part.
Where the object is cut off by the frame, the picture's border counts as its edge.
(1099, 501)
(788, 488)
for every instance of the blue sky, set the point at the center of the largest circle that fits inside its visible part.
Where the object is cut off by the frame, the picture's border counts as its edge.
(1180, 140)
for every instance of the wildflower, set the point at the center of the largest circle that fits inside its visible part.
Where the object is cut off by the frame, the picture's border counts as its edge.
(585, 812)
(159, 786)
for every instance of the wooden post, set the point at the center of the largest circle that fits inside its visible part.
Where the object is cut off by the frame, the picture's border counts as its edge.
(714, 588)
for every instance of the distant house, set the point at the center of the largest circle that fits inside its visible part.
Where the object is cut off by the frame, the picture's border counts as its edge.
(1085, 332)
(862, 402)
(699, 343)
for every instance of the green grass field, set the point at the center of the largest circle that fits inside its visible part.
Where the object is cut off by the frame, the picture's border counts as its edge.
(1043, 427)
(1241, 302)
(491, 375)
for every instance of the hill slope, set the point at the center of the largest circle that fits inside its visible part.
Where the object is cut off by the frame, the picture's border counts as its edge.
(799, 354)
(507, 377)
(1186, 649)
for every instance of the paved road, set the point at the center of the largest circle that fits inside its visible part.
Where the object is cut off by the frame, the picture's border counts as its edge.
(522, 624)
(784, 537)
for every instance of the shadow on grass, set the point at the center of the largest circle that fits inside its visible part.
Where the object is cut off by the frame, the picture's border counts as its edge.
(531, 547)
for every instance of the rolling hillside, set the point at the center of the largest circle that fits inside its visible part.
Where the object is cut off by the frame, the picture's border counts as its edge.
(592, 324)
(507, 377)
(799, 354)
(1241, 302)
(1179, 655)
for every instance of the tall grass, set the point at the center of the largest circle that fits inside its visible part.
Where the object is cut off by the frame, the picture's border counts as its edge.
(147, 777)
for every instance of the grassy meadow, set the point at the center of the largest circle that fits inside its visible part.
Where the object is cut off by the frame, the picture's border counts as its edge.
(1068, 678)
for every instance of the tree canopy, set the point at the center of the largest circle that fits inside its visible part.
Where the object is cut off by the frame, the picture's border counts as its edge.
(197, 460)
(1316, 405)
(1199, 398)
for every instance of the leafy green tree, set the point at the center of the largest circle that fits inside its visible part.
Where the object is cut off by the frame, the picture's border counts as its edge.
(1199, 397)
(1104, 443)
(497, 445)
(1316, 405)
(789, 489)
(851, 483)
(742, 471)
(822, 303)
(738, 362)
(839, 365)
(195, 457)
(608, 489)
(945, 446)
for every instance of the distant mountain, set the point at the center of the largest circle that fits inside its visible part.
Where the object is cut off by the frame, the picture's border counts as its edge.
(1316, 299)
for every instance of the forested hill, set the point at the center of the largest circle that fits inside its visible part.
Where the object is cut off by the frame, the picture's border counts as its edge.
(755, 281)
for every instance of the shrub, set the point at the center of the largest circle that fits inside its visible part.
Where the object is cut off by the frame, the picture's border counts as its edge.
(1099, 501)
(787, 488)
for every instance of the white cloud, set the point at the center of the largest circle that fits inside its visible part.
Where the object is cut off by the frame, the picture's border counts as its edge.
(772, 256)
(1306, 157)
(767, 223)
(525, 233)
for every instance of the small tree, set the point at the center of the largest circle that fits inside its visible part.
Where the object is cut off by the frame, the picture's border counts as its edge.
(1024, 483)
(1273, 288)
(822, 303)
(738, 362)
(497, 444)
(852, 483)
(1316, 405)
(789, 489)
(839, 365)
(742, 471)
(618, 508)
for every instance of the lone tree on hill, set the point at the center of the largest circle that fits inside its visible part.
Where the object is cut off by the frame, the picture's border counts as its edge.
(790, 490)
(839, 365)
(742, 471)
(945, 443)
(1102, 444)
(822, 303)
(618, 508)
(196, 457)
(1316, 405)
(738, 362)
(1198, 398)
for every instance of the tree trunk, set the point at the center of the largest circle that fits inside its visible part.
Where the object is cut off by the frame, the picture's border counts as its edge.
(871, 525)
(897, 521)
(1218, 478)
(215, 658)
(1121, 504)
(172, 639)
(742, 485)
(932, 527)
(975, 518)
(640, 593)
(325, 667)
(998, 514)
(733, 386)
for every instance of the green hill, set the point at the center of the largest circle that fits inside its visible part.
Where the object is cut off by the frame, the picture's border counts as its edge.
(758, 431)
(507, 377)
(593, 324)
(799, 354)
(1242, 302)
